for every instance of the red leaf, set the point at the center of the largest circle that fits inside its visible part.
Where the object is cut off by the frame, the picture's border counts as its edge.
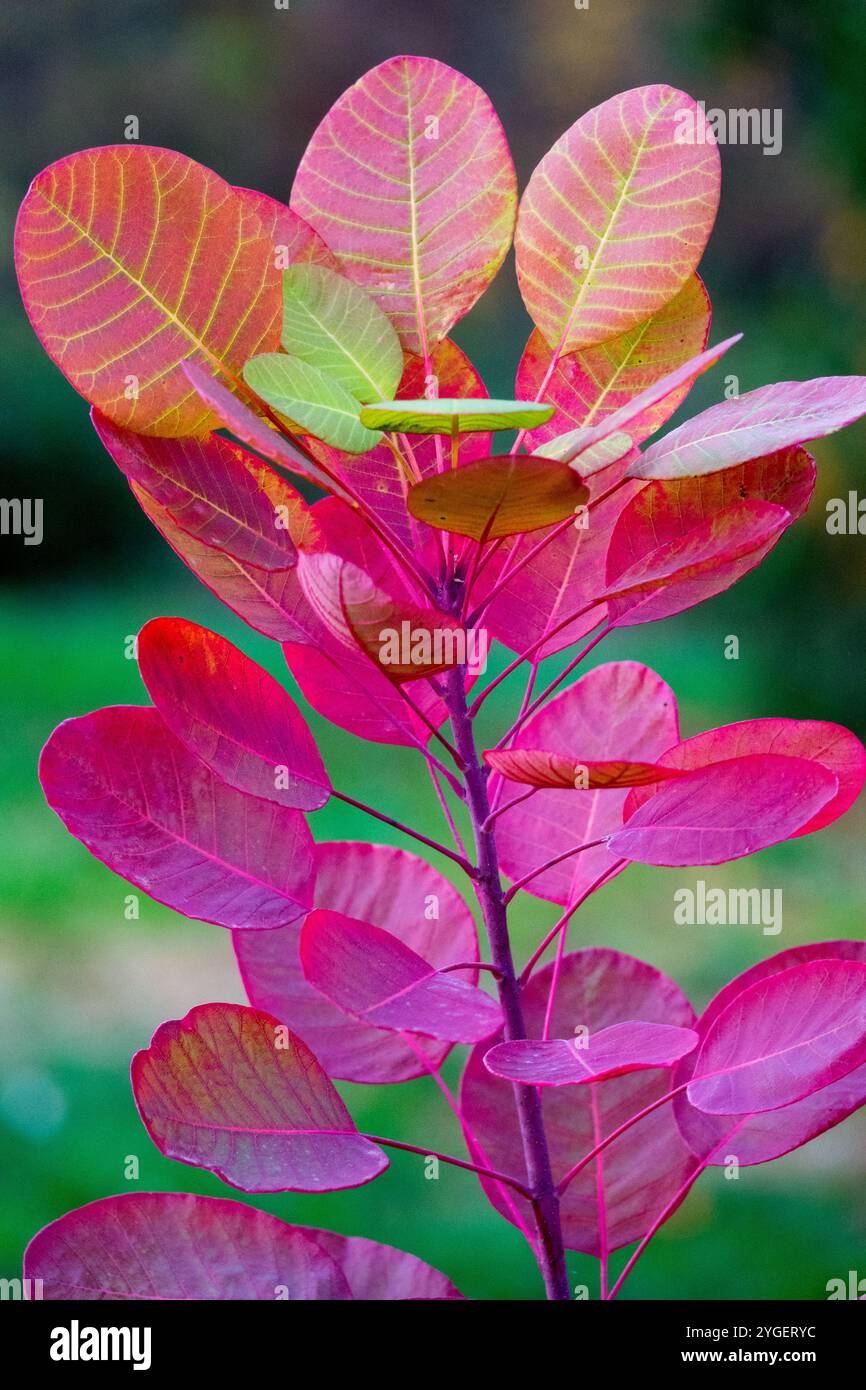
(231, 1089)
(536, 767)
(372, 975)
(614, 1051)
(231, 713)
(395, 891)
(154, 813)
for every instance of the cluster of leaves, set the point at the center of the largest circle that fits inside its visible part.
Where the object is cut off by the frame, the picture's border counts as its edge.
(225, 340)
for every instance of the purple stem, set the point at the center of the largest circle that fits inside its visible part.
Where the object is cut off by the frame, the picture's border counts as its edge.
(490, 1173)
(488, 886)
(398, 825)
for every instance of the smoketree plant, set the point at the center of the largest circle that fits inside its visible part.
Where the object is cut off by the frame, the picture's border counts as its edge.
(230, 346)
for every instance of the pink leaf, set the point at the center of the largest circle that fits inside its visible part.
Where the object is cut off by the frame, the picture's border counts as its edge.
(694, 566)
(373, 976)
(588, 386)
(130, 260)
(760, 422)
(409, 180)
(231, 1089)
(725, 811)
(783, 1038)
(172, 1245)
(835, 748)
(770, 1134)
(621, 710)
(293, 240)
(537, 767)
(393, 890)
(614, 1051)
(215, 491)
(615, 218)
(231, 713)
(154, 813)
(642, 1170)
(271, 601)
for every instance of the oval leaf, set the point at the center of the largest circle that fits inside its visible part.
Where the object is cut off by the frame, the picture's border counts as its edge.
(216, 492)
(375, 977)
(409, 180)
(173, 1245)
(442, 415)
(639, 1172)
(317, 403)
(758, 423)
(588, 386)
(231, 713)
(725, 811)
(616, 216)
(395, 891)
(496, 497)
(231, 1089)
(131, 259)
(782, 1039)
(613, 1051)
(154, 813)
(331, 323)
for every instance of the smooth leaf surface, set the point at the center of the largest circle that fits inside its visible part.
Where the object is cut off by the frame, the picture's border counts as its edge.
(613, 1051)
(331, 323)
(831, 745)
(588, 386)
(294, 241)
(381, 1272)
(377, 978)
(130, 260)
(639, 1172)
(758, 423)
(725, 811)
(615, 218)
(173, 1245)
(694, 566)
(216, 492)
(441, 414)
(621, 709)
(391, 889)
(783, 1038)
(409, 180)
(231, 1089)
(538, 767)
(315, 402)
(496, 497)
(231, 713)
(772, 1133)
(155, 813)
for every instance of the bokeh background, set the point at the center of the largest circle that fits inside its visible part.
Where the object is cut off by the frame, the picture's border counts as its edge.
(241, 86)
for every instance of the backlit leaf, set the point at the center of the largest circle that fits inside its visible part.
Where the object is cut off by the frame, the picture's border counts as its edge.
(310, 399)
(615, 218)
(439, 415)
(409, 180)
(613, 1051)
(331, 323)
(154, 813)
(538, 767)
(231, 713)
(231, 1089)
(131, 259)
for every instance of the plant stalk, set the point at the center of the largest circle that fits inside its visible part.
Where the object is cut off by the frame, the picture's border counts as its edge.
(544, 1200)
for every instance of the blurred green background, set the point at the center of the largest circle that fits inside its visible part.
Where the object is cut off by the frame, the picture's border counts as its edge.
(241, 86)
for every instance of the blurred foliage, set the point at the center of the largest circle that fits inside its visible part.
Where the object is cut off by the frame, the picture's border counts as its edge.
(241, 87)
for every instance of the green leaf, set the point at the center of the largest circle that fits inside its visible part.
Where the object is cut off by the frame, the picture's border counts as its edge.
(437, 416)
(335, 326)
(316, 403)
